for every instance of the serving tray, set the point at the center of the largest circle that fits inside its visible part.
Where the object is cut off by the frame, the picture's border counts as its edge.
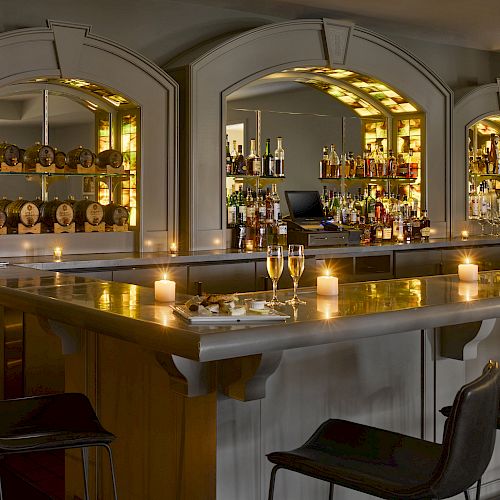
(224, 319)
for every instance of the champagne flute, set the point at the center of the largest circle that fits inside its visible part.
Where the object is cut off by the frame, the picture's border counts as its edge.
(296, 261)
(275, 263)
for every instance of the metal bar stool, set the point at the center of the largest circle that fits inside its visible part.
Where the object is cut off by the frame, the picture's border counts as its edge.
(395, 466)
(53, 422)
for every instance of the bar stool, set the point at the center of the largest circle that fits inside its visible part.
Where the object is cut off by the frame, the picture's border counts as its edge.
(446, 411)
(391, 465)
(53, 422)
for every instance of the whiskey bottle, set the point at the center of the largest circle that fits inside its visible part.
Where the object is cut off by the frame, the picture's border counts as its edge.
(234, 154)
(360, 166)
(352, 165)
(250, 205)
(402, 166)
(493, 154)
(250, 160)
(229, 159)
(392, 168)
(387, 230)
(324, 165)
(268, 160)
(240, 167)
(232, 210)
(425, 226)
(276, 204)
(416, 235)
(334, 162)
(242, 206)
(279, 158)
(260, 207)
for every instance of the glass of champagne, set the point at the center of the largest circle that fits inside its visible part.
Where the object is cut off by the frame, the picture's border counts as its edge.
(275, 263)
(296, 261)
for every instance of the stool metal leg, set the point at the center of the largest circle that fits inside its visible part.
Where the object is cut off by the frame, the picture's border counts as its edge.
(1, 489)
(271, 482)
(110, 455)
(466, 494)
(85, 462)
(330, 495)
(478, 489)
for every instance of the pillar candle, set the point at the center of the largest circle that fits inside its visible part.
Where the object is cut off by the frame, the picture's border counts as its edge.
(468, 272)
(165, 290)
(327, 285)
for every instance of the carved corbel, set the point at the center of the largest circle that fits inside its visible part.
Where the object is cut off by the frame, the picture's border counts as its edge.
(187, 377)
(245, 378)
(462, 341)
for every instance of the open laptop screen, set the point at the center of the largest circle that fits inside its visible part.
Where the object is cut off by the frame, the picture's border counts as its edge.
(304, 204)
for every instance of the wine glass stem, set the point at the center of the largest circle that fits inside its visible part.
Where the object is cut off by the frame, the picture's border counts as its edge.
(275, 290)
(295, 285)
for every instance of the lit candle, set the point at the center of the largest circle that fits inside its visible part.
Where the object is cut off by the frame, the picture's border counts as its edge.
(465, 235)
(327, 285)
(57, 254)
(401, 239)
(468, 271)
(249, 245)
(165, 290)
(328, 306)
(173, 247)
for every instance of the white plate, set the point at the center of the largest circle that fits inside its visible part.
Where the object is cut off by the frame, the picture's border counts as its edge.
(214, 319)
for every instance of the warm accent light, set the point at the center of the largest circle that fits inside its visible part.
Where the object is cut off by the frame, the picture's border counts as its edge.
(465, 235)
(468, 271)
(57, 254)
(327, 285)
(173, 247)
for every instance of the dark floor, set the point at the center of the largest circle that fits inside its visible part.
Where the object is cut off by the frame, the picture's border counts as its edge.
(33, 476)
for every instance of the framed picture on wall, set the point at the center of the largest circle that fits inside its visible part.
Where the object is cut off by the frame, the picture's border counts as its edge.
(88, 187)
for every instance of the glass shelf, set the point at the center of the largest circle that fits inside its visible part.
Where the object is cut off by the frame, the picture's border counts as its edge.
(369, 179)
(490, 176)
(69, 174)
(236, 176)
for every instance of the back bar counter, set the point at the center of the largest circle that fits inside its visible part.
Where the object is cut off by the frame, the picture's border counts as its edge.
(196, 408)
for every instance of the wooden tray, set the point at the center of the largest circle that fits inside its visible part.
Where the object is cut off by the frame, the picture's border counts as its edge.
(224, 319)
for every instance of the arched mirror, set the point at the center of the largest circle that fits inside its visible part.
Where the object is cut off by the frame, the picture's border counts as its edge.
(346, 135)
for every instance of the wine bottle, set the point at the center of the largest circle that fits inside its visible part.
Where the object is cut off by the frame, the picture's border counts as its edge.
(269, 167)
(279, 158)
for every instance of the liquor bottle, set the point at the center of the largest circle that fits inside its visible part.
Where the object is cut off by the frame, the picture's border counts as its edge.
(325, 201)
(234, 154)
(260, 240)
(260, 207)
(282, 232)
(334, 162)
(250, 204)
(232, 210)
(398, 226)
(229, 160)
(242, 206)
(359, 206)
(353, 214)
(425, 226)
(240, 234)
(279, 158)
(493, 154)
(324, 167)
(379, 232)
(379, 207)
(269, 169)
(240, 166)
(360, 166)
(387, 230)
(250, 158)
(276, 204)
(474, 204)
(380, 161)
(402, 166)
(392, 165)
(415, 223)
(269, 208)
(370, 206)
(352, 164)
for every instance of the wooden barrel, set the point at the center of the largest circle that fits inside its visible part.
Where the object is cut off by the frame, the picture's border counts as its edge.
(9, 154)
(22, 212)
(115, 214)
(109, 158)
(88, 211)
(3, 218)
(60, 160)
(56, 211)
(38, 154)
(80, 156)
(3, 204)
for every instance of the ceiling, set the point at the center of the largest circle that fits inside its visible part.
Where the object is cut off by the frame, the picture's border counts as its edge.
(466, 23)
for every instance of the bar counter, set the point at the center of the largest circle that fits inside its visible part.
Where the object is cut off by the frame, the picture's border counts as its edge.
(361, 310)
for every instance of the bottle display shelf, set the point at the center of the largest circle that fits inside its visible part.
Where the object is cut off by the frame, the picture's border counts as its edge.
(250, 177)
(124, 175)
(369, 179)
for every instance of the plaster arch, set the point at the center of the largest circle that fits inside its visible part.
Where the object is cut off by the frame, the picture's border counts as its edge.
(207, 78)
(472, 107)
(68, 50)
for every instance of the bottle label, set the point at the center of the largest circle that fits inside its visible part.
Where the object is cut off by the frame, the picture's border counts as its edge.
(231, 215)
(250, 213)
(262, 212)
(426, 232)
(387, 233)
(282, 229)
(257, 166)
(276, 211)
(271, 168)
(242, 212)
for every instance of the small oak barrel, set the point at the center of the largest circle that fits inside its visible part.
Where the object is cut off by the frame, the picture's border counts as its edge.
(109, 158)
(115, 214)
(56, 212)
(22, 212)
(9, 154)
(88, 211)
(40, 154)
(60, 160)
(80, 156)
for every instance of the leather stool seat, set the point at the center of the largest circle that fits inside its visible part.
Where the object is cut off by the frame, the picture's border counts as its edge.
(53, 422)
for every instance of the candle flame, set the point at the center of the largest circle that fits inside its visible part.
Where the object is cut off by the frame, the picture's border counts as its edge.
(467, 260)
(164, 276)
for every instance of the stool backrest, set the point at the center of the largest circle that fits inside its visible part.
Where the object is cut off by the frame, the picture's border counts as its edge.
(469, 436)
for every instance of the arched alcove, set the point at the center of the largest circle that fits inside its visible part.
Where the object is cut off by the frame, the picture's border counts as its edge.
(474, 106)
(207, 78)
(67, 56)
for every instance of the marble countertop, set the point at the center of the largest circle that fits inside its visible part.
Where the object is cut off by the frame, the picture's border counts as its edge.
(136, 259)
(361, 310)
